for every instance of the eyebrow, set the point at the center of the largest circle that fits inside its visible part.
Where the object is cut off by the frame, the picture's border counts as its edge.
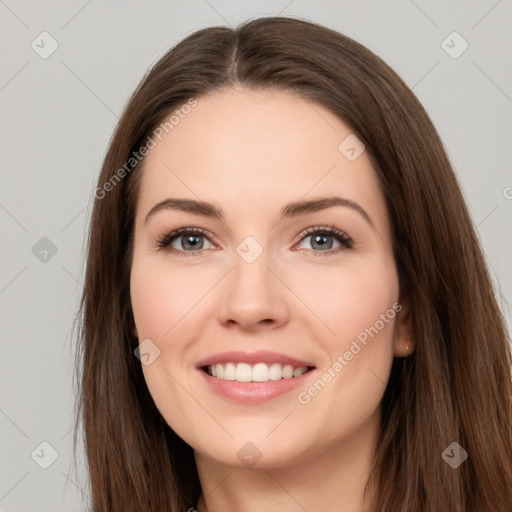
(291, 210)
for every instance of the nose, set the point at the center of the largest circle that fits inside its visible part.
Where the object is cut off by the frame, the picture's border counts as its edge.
(252, 298)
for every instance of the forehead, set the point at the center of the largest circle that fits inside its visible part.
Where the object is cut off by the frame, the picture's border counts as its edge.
(254, 149)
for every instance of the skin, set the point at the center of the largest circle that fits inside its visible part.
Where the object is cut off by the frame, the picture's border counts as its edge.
(250, 153)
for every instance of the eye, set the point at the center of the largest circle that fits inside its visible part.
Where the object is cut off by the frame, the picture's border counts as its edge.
(325, 240)
(191, 241)
(185, 240)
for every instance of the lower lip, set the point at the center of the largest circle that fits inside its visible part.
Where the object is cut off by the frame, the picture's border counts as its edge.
(253, 392)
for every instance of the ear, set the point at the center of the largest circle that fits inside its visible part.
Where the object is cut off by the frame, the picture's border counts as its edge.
(405, 342)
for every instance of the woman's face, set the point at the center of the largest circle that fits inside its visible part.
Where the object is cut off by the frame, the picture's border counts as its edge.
(288, 269)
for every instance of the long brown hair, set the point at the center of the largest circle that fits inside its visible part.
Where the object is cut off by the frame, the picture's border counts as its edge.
(457, 385)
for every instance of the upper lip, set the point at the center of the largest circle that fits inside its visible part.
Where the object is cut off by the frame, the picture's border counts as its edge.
(263, 356)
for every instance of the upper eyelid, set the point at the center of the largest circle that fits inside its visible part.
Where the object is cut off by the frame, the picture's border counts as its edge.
(343, 237)
(330, 230)
(182, 231)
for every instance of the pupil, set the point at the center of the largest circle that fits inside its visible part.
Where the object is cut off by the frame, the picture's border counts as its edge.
(192, 242)
(322, 241)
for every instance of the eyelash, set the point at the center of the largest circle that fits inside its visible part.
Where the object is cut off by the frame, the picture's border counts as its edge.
(165, 240)
(345, 241)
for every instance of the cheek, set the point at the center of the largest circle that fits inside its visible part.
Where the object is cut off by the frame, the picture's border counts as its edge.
(358, 305)
(162, 297)
(161, 300)
(168, 306)
(352, 297)
(348, 302)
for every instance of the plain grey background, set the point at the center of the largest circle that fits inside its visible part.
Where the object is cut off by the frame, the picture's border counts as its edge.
(59, 110)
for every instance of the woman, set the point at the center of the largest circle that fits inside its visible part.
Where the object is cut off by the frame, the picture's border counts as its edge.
(286, 306)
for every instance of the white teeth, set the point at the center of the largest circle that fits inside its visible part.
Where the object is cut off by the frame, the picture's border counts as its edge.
(261, 372)
(288, 371)
(299, 371)
(243, 372)
(275, 372)
(229, 372)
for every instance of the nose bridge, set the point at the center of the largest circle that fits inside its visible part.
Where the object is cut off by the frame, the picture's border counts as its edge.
(252, 276)
(252, 294)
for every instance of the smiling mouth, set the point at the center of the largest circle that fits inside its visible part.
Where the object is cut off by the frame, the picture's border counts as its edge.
(260, 372)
